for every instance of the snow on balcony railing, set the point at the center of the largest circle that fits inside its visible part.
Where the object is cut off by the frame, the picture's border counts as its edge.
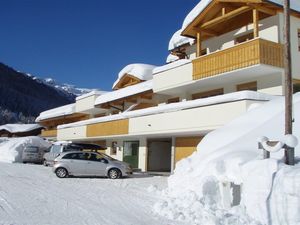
(236, 96)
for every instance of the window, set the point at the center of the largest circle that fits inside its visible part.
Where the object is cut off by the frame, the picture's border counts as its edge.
(173, 100)
(299, 39)
(251, 86)
(208, 93)
(243, 38)
(73, 156)
(296, 86)
(113, 149)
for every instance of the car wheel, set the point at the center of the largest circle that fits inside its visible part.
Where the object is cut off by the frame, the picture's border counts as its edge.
(61, 172)
(45, 162)
(114, 173)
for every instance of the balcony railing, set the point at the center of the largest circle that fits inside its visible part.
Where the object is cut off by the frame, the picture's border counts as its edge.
(49, 133)
(117, 127)
(253, 52)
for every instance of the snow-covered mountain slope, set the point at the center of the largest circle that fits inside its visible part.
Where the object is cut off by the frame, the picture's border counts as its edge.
(23, 96)
(65, 89)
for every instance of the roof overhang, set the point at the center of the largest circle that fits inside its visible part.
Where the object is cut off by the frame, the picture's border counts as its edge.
(222, 16)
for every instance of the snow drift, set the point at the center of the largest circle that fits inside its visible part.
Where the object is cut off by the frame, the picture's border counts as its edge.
(11, 149)
(206, 185)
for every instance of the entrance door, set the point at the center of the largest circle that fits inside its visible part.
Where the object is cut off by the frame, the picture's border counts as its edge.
(131, 153)
(159, 155)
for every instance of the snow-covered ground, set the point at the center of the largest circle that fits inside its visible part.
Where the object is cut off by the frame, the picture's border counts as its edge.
(227, 181)
(33, 195)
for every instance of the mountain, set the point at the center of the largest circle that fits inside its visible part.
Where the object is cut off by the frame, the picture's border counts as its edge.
(23, 96)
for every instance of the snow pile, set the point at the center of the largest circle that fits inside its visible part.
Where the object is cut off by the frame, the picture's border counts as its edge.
(97, 93)
(20, 128)
(12, 149)
(171, 65)
(171, 58)
(125, 92)
(173, 107)
(56, 112)
(205, 185)
(138, 70)
(177, 40)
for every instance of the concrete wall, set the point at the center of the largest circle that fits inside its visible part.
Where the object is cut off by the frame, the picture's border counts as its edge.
(85, 103)
(197, 119)
(177, 76)
(71, 133)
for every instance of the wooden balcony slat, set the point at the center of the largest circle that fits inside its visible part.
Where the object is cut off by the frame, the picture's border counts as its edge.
(253, 52)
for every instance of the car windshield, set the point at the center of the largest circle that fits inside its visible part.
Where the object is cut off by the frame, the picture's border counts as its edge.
(55, 149)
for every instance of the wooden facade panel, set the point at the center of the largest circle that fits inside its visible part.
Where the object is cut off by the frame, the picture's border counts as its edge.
(185, 146)
(253, 52)
(49, 133)
(117, 127)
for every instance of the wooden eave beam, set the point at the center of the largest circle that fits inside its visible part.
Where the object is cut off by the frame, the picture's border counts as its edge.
(264, 9)
(227, 16)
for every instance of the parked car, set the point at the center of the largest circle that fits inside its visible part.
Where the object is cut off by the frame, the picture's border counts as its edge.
(89, 164)
(56, 150)
(32, 154)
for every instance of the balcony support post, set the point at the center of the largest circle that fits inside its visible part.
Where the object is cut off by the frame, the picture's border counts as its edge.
(198, 53)
(255, 23)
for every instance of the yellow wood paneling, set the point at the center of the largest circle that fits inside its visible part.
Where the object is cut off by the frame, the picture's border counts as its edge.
(49, 133)
(185, 146)
(117, 127)
(253, 52)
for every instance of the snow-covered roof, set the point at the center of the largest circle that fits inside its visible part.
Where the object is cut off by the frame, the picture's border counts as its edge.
(20, 128)
(177, 40)
(295, 5)
(171, 65)
(236, 96)
(138, 70)
(56, 112)
(125, 92)
(171, 58)
(90, 94)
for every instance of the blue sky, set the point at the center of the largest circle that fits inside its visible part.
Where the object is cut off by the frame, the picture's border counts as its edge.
(87, 42)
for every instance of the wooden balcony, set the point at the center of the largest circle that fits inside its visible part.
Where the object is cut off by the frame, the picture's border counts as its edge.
(110, 128)
(49, 133)
(253, 52)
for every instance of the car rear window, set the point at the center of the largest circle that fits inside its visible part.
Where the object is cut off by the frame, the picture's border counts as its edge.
(31, 149)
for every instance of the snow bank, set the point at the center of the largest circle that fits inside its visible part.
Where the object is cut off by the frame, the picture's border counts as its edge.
(19, 128)
(295, 5)
(177, 40)
(171, 65)
(171, 58)
(56, 112)
(90, 94)
(140, 71)
(125, 92)
(12, 149)
(228, 157)
(236, 96)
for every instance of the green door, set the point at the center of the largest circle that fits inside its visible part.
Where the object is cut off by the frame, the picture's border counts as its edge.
(131, 153)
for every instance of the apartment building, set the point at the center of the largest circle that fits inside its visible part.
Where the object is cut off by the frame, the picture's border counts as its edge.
(226, 59)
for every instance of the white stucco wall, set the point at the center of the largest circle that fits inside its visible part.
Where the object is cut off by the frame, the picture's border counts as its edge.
(197, 119)
(172, 78)
(71, 133)
(85, 104)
